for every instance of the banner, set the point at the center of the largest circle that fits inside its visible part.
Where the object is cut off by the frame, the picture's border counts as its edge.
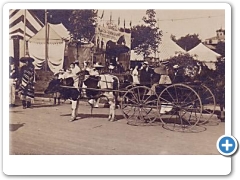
(104, 34)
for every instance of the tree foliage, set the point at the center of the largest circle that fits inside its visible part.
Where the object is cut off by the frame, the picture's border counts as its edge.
(146, 38)
(220, 48)
(83, 23)
(188, 69)
(150, 18)
(187, 42)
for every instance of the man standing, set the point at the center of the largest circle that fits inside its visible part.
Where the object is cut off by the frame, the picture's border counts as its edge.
(12, 81)
(146, 74)
(27, 80)
(76, 70)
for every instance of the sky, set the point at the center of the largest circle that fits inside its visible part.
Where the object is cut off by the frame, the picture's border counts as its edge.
(176, 22)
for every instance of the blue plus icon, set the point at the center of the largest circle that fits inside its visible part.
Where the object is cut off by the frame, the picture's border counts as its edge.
(227, 145)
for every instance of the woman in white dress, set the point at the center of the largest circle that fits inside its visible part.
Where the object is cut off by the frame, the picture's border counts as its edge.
(135, 76)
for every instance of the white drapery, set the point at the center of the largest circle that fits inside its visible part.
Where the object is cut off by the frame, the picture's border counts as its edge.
(55, 55)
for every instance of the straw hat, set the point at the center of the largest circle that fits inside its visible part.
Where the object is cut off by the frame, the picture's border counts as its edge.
(176, 66)
(25, 59)
(61, 70)
(98, 66)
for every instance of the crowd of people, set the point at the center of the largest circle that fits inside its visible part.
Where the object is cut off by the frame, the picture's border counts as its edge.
(24, 80)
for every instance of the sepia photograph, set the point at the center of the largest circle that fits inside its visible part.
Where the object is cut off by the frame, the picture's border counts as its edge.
(116, 81)
(117, 89)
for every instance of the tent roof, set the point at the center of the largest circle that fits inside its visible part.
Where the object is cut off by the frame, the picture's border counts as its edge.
(204, 54)
(135, 57)
(16, 23)
(60, 30)
(168, 48)
(57, 33)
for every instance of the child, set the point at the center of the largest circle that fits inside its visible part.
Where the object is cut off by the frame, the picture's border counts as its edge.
(56, 95)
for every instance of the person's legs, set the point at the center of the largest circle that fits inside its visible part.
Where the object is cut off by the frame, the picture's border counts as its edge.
(29, 103)
(58, 97)
(12, 90)
(24, 103)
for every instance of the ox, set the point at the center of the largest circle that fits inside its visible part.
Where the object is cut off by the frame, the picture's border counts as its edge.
(97, 86)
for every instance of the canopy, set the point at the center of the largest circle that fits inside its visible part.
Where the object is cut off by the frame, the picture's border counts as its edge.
(56, 33)
(204, 54)
(168, 48)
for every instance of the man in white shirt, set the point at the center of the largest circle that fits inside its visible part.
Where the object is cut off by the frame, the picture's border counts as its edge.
(75, 71)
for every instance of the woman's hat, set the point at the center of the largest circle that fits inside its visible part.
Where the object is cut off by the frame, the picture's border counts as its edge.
(76, 61)
(61, 70)
(176, 66)
(98, 66)
(25, 59)
(111, 67)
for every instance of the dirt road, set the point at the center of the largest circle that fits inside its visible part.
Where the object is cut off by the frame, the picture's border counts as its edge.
(45, 130)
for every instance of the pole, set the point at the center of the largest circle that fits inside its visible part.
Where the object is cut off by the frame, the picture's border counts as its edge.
(24, 35)
(77, 49)
(46, 32)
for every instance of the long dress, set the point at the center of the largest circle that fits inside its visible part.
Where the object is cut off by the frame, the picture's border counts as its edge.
(135, 76)
(27, 83)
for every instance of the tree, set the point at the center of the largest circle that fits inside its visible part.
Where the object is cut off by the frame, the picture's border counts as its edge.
(220, 48)
(187, 42)
(83, 23)
(146, 38)
(150, 19)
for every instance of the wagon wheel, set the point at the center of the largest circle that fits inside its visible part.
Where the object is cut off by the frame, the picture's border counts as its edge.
(181, 108)
(140, 105)
(208, 103)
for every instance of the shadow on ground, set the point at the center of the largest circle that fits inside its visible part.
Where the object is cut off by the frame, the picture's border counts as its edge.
(86, 116)
(15, 127)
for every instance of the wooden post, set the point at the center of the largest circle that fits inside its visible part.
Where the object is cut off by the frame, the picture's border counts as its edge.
(24, 34)
(46, 41)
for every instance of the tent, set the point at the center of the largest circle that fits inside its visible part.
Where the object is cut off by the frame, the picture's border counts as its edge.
(168, 48)
(57, 35)
(16, 30)
(204, 54)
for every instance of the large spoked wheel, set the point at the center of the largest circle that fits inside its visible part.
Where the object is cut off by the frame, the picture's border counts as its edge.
(208, 103)
(181, 108)
(140, 106)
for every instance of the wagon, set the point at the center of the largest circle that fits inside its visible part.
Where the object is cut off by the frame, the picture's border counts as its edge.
(179, 107)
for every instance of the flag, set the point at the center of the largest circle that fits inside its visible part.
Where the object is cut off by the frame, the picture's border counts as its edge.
(102, 15)
(118, 21)
(111, 17)
(130, 24)
(124, 23)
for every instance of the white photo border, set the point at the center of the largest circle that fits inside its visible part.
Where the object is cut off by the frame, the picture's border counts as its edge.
(111, 164)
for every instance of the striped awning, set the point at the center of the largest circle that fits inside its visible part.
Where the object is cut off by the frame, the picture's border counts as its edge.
(16, 23)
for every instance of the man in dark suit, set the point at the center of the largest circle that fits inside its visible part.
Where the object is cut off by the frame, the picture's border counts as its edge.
(146, 74)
